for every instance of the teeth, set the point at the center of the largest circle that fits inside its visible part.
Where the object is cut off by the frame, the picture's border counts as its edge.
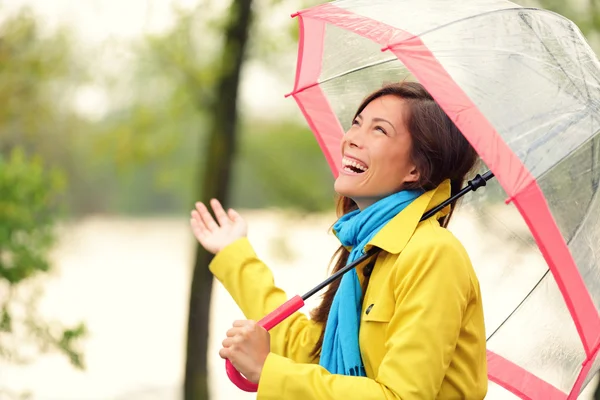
(347, 162)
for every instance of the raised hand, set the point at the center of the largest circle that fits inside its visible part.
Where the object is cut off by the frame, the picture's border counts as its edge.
(216, 235)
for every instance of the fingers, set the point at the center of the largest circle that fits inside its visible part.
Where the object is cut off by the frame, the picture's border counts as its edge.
(205, 217)
(238, 327)
(235, 336)
(233, 215)
(225, 353)
(229, 341)
(238, 338)
(243, 323)
(241, 329)
(232, 332)
(206, 223)
(239, 322)
(198, 226)
(222, 217)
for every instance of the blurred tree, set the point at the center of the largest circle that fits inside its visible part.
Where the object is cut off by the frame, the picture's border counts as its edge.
(30, 68)
(216, 171)
(147, 145)
(178, 124)
(36, 117)
(147, 150)
(28, 212)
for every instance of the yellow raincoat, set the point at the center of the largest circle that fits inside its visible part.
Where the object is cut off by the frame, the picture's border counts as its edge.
(422, 338)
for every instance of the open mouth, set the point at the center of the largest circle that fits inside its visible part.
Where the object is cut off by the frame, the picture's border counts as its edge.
(353, 166)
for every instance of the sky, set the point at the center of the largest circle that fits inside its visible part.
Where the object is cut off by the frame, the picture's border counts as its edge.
(104, 24)
(99, 20)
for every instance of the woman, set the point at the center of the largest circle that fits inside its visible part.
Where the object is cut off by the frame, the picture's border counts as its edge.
(407, 325)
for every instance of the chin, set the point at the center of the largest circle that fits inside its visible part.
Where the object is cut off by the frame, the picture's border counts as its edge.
(342, 188)
(347, 189)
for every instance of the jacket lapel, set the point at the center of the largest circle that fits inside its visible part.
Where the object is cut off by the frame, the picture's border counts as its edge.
(393, 237)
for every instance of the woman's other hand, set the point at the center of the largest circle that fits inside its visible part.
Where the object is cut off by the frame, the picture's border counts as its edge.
(247, 346)
(216, 235)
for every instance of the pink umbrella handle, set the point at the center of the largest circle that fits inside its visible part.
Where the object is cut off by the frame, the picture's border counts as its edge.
(268, 322)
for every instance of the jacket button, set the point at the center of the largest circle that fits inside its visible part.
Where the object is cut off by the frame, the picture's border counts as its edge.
(369, 309)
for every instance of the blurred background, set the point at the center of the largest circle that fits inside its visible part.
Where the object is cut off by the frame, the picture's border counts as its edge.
(115, 117)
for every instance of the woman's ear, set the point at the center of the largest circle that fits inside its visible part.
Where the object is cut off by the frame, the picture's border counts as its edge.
(413, 175)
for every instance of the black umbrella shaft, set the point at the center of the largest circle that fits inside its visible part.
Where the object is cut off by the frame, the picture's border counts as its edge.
(473, 185)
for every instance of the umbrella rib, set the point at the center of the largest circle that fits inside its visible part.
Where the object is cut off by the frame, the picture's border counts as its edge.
(543, 276)
(519, 9)
(551, 54)
(595, 159)
(549, 118)
(549, 135)
(503, 10)
(351, 71)
(580, 65)
(424, 33)
(567, 154)
(594, 178)
(577, 231)
(592, 200)
(519, 305)
(544, 76)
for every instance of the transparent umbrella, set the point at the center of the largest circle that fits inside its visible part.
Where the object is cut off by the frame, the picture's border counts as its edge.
(522, 85)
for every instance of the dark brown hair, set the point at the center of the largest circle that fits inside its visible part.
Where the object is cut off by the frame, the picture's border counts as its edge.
(439, 151)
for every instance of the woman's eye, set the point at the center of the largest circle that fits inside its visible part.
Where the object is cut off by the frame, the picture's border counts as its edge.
(380, 129)
(355, 122)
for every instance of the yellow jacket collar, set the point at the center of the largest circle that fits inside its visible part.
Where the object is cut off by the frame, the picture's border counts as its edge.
(395, 234)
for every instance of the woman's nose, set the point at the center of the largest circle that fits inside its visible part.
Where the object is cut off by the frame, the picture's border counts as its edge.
(355, 137)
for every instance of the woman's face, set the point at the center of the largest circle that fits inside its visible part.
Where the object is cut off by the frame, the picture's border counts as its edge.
(376, 153)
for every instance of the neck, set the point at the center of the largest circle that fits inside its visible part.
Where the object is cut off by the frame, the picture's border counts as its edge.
(364, 202)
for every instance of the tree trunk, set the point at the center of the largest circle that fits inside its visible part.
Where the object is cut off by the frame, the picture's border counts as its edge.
(218, 161)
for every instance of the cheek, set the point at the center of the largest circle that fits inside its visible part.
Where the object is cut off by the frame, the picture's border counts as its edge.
(394, 162)
(391, 169)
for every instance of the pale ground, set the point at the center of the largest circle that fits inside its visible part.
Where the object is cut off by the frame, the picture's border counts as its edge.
(128, 279)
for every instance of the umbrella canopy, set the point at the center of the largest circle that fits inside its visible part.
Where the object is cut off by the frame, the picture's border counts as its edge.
(522, 85)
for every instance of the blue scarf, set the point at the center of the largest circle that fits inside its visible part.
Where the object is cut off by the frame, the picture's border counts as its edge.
(340, 353)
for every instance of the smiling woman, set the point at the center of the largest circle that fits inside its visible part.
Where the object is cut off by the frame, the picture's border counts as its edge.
(408, 324)
(402, 139)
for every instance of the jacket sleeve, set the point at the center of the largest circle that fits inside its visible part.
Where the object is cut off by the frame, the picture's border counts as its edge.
(250, 282)
(432, 289)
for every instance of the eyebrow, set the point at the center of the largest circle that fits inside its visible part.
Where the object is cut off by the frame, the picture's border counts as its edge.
(377, 119)
(384, 120)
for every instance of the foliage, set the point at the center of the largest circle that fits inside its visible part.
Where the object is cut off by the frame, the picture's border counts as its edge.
(39, 76)
(280, 164)
(145, 155)
(28, 213)
(149, 152)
